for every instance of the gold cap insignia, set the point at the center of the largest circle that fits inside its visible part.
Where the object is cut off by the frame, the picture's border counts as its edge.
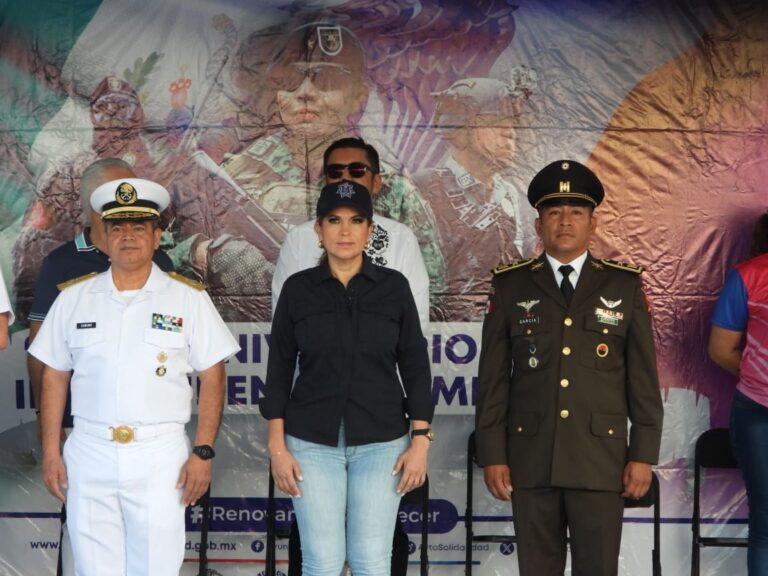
(126, 194)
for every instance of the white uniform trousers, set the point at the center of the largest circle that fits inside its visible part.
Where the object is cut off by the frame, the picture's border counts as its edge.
(124, 514)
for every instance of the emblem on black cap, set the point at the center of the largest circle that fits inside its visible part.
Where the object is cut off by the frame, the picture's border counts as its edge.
(329, 38)
(565, 182)
(125, 194)
(345, 190)
(344, 193)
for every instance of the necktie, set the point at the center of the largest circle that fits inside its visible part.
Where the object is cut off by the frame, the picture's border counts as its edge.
(565, 286)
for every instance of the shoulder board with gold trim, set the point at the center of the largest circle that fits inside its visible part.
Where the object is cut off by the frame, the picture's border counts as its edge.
(188, 281)
(626, 266)
(513, 266)
(62, 285)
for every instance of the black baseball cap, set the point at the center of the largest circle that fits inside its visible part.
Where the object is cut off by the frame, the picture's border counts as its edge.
(345, 193)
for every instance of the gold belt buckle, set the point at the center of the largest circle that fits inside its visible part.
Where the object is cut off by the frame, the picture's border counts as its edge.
(122, 434)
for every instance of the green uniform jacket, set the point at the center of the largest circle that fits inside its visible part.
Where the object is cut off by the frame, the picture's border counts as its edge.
(557, 384)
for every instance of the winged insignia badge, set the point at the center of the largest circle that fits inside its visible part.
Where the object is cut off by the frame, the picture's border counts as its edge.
(610, 304)
(528, 304)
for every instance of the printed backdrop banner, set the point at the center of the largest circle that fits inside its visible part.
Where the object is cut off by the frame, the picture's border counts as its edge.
(230, 104)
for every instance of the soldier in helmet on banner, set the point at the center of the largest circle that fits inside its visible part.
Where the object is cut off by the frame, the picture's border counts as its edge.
(54, 216)
(482, 217)
(317, 89)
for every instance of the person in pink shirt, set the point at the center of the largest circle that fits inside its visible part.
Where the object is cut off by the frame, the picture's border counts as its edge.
(742, 310)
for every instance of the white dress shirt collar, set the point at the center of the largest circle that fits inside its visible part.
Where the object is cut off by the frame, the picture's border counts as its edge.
(577, 264)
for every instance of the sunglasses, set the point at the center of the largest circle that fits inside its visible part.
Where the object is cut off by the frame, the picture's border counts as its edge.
(355, 170)
(324, 78)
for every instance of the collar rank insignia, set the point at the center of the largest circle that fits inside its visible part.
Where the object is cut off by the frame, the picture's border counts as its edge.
(513, 266)
(66, 284)
(625, 266)
(610, 304)
(538, 266)
(167, 322)
(188, 281)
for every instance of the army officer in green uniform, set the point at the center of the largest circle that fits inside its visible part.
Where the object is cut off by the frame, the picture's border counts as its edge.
(567, 364)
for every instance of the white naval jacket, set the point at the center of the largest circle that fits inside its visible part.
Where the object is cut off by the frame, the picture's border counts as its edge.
(130, 361)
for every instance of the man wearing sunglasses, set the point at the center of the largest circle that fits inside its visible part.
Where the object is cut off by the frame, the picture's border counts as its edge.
(392, 244)
(317, 88)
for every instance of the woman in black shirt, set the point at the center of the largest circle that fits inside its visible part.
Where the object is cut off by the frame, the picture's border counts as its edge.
(338, 438)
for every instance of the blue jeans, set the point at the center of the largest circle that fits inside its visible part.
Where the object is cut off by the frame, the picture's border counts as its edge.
(348, 505)
(749, 439)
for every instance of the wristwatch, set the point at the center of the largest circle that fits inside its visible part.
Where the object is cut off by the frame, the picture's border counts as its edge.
(424, 432)
(204, 452)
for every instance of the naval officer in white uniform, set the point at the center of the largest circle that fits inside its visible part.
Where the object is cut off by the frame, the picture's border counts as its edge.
(130, 337)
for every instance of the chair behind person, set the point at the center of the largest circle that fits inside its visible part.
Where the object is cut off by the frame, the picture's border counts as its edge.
(419, 497)
(651, 498)
(270, 562)
(202, 555)
(713, 450)
(471, 537)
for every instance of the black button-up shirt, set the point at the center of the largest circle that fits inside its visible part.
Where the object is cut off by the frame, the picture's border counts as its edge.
(350, 344)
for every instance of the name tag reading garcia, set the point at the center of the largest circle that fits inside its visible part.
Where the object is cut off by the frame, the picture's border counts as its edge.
(611, 317)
